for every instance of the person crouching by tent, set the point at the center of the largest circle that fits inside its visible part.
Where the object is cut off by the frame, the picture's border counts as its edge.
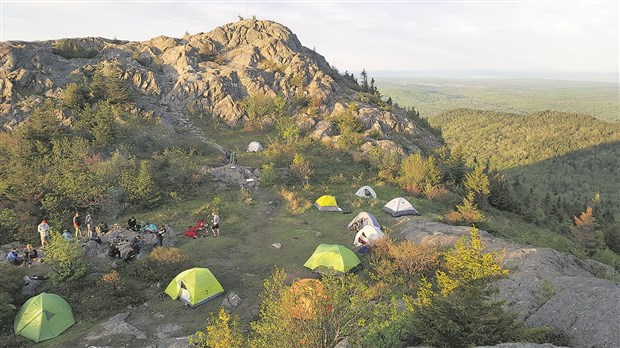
(201, 227)
(13, 257)
(191, 232)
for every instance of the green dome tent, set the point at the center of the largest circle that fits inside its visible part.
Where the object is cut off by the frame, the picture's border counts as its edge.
(330, 258)
(194, 286)
(43, 317)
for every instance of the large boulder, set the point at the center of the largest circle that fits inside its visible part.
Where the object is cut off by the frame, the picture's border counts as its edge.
(545, 287)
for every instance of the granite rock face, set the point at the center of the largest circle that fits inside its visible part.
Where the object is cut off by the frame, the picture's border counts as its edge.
(208, 74)
(545, 287)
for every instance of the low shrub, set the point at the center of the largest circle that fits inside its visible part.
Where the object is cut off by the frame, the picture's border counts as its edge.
(161, 265)
(295, 203)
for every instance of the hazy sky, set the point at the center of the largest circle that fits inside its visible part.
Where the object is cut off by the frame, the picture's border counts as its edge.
(575, 36)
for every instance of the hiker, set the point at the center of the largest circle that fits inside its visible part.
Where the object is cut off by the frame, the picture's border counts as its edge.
(102, 228)
(44, 233)
(227, 154)
(215, 225)
(201, 226)
(160, 236)
(97, 238)
(191, 232)
(113, 250)
(132, 224)
(77, 222)
(136, 244)
(13, 257)
(30, 253)
(67, 235)
(88, 220)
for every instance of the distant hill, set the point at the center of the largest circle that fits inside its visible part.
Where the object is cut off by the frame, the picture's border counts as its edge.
(569, 155)
(433, 96)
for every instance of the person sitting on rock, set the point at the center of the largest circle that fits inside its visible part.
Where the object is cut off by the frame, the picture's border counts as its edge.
(30, 253)
(102, 228)
(132, 224)
(67, 235)
(136, 244)
(113, 250)
(13, 257)
(191, 232)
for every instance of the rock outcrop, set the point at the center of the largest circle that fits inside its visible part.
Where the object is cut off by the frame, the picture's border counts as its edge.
(209, 74)
(545, 287)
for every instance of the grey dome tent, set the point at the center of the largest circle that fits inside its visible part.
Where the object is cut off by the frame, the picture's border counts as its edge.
(363, 219)
(399, 207)
(254, 146)
(366, 192)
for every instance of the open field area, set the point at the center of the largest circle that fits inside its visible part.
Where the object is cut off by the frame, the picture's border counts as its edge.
(432, 96)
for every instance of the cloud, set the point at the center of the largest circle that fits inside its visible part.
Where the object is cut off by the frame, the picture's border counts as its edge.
(382, 35)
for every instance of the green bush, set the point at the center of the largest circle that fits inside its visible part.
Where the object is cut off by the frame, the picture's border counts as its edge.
(65, 259)
(269, 175)
(10, 285)
(70, 49)
(161, 265)
(467, 317)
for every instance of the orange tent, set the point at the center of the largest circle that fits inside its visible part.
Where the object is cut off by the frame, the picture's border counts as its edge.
(305, 295)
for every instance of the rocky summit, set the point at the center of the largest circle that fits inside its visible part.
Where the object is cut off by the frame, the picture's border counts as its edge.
(545, 287)
(207, 74)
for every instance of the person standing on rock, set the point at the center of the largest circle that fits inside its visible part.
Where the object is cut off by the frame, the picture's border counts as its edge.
(77, 222)
(88, 220)
(160, 236)
(215, 225)
(44, 233)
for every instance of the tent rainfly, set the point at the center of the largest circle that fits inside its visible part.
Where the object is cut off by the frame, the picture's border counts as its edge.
(332, 258)
(399, 207)
(43, 317)
(367, 234)
(363, 219)
(194, 286)
(327, 203)
(254, 146)
(366, 192)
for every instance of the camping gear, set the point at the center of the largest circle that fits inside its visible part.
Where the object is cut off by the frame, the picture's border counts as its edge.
(194, 286)
(332, 258)
(327, 203)
(399, 207)
(43, 317)
(304, 297)
(148, 228)
(366, 192)
(369, 233)
(363, 219)
(254, 146)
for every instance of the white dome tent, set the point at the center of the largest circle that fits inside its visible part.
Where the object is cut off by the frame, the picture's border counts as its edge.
(366, 192)
(254, 146)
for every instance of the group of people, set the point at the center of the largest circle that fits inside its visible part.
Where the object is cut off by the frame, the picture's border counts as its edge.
(202, 227)
(29, 253)
(95, 233)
